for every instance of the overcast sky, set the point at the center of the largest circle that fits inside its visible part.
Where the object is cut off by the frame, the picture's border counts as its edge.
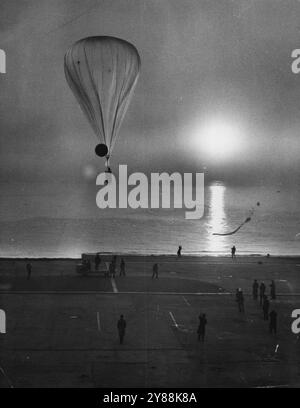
(202, 61)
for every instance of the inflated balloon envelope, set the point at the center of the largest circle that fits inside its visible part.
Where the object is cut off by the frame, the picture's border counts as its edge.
(102, 73)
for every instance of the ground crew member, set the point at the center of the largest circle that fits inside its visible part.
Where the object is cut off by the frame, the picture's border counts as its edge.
(240, 300)
(273, 322)
(97, 262)
(28, 269)
(201, 327)
(122, 268)
(179, 251)
(155, 271)
(233, 251)
(121, 328)
(262, 289)
(255, 289)
(266, 306)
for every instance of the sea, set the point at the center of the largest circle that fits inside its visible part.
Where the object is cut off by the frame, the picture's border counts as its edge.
(51, 225)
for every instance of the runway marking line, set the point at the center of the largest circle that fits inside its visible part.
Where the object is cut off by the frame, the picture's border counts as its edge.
(6, 377)
(98, 321)
(173, 319)
(114, 285)
(157, 312)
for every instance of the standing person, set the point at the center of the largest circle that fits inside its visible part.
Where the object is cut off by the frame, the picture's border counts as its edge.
(239, 297)
(86, 266)
(262, 289)
(266, 305)
(97, 261)
(273, 322)
(273, 290)
(121, 328)
(28, 269)
(112, 270)
(233, 251)
(201, 327)
(122, 268)
(115, 264)
(179, 251)
(255, 289)
(155, 271)
(107, 270)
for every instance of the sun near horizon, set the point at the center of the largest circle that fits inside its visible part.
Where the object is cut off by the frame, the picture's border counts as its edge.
(220, 139)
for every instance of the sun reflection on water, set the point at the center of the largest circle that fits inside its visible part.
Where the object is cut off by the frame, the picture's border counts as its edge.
(216, 218)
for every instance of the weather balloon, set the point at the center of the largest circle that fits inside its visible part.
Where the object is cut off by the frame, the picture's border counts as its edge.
(102, 73)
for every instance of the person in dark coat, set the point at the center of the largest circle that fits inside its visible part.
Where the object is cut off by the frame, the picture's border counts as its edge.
(121, 328)
(97, 262)
(114, 260)
(179, 251)
(201, 327)
(273, 290)
(262, 290)
(255, 289)
(266, 305)
(28, 269)
(239, 297)
(233, 251)
(112, 270)
(155, 271)
(122, 268)
(273, 322)
(86, 266)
